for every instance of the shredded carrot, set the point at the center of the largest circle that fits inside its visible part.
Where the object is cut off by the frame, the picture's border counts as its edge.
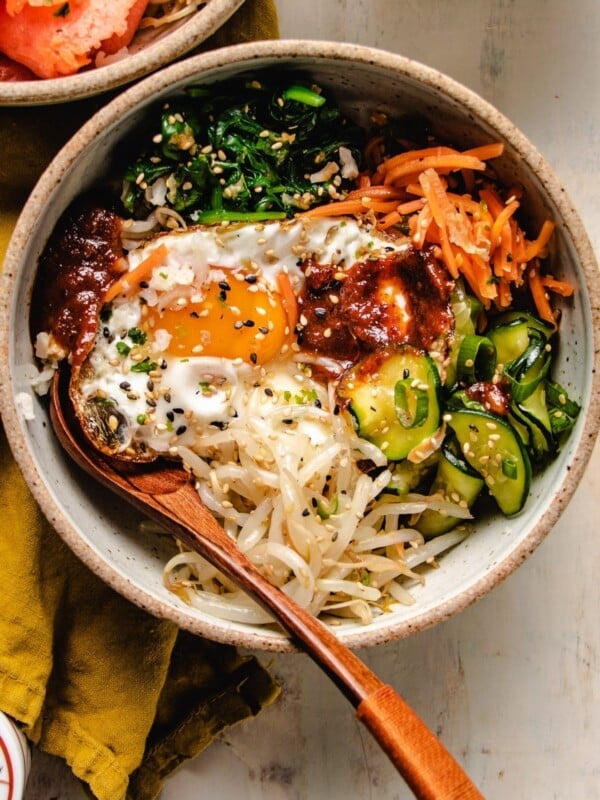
(501, 220)
(376, 193)
(126, 281)
(476, 277)
(415, 155)
(380, 206)
(492, 200)
(518, 240)
(485, 151)
(539, 294)
(559, 287)
(414, 188)
(441, 211)
(410, 206)
(486, 285)
(422, 223)
(363, 181)
(535, 248)
(448, 162)
(504, 295)
(389, 220)
(288, 295)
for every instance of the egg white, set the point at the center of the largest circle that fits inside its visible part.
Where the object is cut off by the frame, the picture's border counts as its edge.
(181, 398)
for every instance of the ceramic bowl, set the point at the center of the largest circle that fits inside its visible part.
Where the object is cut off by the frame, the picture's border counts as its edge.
(104, 533)
(150, 49)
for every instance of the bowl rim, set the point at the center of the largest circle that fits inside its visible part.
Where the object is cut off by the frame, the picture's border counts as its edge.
(48, 91)
(246, 55)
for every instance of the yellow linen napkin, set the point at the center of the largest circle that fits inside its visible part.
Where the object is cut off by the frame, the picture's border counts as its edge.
(121, 696)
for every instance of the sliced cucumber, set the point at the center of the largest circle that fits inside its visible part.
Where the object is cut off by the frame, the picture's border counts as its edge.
(535, 436)
(510, 339)
(455, 481)
(521, 427)
(533, 412)
(493, 449)
(513, 332)
(528, 318)
(527, 371)
(394, 398)
(407, 477)
(536, 408)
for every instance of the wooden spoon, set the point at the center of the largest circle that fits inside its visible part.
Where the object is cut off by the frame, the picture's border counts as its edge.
(164, 492)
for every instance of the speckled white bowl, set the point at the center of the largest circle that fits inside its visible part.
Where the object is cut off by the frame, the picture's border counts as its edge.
(103, 532)
(150, 49)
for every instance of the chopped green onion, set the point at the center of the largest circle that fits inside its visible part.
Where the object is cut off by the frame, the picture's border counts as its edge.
(510, 467)
(405, 395)
(145, 366)
(562, 410)
(137, 336)
(300, 94)
(217, 215)
(123, 348)
(476, 359)
(326, 511)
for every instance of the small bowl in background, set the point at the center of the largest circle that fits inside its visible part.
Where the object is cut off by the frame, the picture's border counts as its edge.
(150, 49)
(103, 532)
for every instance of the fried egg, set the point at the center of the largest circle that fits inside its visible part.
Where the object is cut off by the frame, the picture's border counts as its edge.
(201, 329)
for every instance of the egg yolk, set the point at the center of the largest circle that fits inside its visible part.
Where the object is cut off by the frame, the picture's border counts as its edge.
(236, 318)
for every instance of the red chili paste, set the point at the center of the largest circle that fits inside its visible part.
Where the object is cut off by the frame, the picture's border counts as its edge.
(82, 258)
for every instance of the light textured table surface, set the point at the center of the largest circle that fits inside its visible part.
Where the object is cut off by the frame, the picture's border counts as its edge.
(512, 685)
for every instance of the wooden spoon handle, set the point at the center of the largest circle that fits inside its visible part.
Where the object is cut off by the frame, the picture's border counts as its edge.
(417, 753)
